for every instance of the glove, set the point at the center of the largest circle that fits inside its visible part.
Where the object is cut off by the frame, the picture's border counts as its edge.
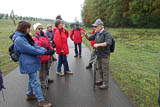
(49, 52)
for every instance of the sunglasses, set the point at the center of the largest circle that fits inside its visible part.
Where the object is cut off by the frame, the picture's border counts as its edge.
(95, 26)
(40, 28)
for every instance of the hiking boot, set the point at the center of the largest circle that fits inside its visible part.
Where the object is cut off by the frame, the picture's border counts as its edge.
(76, 56)
(54, 59)
(103, 86)
(50, 80)
(44, 104)
(43, 86)
(69, 72)
(60, 73)
(89, 66)
(31, 97)
(99, 82)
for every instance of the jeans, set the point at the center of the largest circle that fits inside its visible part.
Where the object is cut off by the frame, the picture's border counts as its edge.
(62, 61)
(76, 48)
(34, 86)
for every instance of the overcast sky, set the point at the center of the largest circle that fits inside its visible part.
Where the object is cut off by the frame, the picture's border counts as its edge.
(68, 9)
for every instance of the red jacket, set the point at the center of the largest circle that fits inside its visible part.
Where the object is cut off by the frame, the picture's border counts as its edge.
(76, 36)
(45, 43)
(93, 42)
(60, 40)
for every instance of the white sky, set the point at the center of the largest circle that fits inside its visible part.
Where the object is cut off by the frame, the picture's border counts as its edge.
(68, 9)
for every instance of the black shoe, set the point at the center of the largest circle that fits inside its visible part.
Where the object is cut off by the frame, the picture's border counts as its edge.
(54, 59)
(50, 80)
(80, 56)
(103, 86)
(76, 56)
(89, 66)
(99, 82)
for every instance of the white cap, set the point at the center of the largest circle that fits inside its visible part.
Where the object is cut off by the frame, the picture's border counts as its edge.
(35, 26)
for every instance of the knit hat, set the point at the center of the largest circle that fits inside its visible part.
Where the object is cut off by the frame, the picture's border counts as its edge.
(35, 26)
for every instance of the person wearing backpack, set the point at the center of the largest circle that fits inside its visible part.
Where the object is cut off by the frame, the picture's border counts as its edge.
(29, 61)
(76, 36)
(62, 49)
(42, 40)
(103, 42)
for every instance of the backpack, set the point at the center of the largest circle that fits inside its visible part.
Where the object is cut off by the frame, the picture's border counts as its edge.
(13, 54)
(112, 48)
(75, 29)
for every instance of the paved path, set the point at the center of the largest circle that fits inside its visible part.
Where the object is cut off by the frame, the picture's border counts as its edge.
(74, 91)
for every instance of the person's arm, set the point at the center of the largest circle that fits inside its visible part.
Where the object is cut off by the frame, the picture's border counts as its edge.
(90, 38)
(100, 45)
(25, 48)
(108, 41)
(71, 34)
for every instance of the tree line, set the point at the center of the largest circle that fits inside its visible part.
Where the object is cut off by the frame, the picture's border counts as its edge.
(122, 13)
(28, 18)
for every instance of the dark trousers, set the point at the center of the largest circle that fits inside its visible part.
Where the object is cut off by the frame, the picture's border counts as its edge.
(76, 48)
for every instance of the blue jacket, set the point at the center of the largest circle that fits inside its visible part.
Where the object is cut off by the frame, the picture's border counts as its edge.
(29, 62)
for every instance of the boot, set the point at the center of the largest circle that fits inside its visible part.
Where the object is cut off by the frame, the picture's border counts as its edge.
(50, 80)
(89, 66)
(44, 104)
(31, 97)
(103, 86)
(80, 56)
(99, 82)
(76, 56)
(69, 72)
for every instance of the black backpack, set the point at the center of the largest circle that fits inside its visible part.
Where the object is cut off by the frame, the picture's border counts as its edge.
(13, 54)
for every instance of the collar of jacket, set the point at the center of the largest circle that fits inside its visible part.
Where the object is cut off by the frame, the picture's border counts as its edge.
(37, 33)
(20, 33)
(101, 31)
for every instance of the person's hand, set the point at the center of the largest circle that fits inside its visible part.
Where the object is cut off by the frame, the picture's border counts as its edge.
(83, 33)
(49, 52)
(62, 51)
(96, 45)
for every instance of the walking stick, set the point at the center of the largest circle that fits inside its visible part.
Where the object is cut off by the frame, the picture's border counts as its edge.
(159, 91)
(63, 61)
(94, 71)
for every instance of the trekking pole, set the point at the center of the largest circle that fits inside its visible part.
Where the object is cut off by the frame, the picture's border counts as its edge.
(63, 61)
(3, 96)
(94, 71)
(159, 91)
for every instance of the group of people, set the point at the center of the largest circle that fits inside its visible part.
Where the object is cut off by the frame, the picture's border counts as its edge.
(38, 51)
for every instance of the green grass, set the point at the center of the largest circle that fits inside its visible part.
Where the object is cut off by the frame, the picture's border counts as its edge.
(6, 29)
(135, 64)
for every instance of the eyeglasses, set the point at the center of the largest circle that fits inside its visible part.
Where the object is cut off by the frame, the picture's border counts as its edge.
(40, 28)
